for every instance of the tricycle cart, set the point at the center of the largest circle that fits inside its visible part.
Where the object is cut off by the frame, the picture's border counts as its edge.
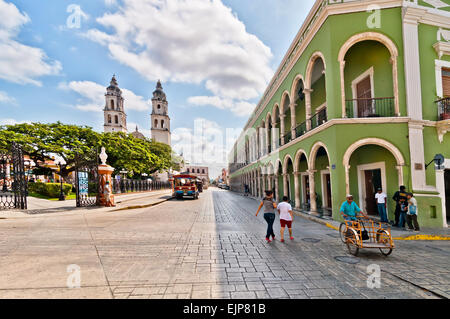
(366, 233)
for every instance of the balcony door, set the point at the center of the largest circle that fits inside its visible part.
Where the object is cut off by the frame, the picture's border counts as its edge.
(364, 96)
(446, 82)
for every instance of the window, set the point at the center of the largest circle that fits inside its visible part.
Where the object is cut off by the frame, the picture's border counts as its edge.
(109, 119)
(162, 124)
(156, 123)
(188, 170)
(117, 119)
(203, 172)
(112, 104)
(446, 82)
(159, 106)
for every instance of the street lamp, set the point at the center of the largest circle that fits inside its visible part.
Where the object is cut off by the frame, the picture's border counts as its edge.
(60, 162)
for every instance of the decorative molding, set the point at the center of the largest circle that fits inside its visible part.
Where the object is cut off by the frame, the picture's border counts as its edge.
(442, 48)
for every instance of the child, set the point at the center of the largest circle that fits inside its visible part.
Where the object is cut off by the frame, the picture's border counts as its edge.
(286, 217)
(411, 216)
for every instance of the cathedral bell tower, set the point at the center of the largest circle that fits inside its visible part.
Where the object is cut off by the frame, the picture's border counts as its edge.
(160, 116)
(115, 117)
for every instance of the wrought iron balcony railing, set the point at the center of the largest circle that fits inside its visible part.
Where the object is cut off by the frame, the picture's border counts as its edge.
(377, 107)
(300, 130)
(287, 137)
(444, 109)
(319, 118)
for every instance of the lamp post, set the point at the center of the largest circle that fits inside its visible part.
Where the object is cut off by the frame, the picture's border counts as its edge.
(62, 196)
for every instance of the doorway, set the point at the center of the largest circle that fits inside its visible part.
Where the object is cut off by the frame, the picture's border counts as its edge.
(364, 96)
(371, 177)
(447, 193)
(306, 192)
(373, 182)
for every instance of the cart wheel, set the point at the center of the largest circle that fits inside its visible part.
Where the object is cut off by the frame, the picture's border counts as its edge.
(352, 240)
(383, 237)
(342, 231)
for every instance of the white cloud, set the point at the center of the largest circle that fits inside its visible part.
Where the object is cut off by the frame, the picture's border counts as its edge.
(207, 144)
(110, 3)
(196, 41)
(93, 97)
(20, 63)
(12, 122)
(6, 99)
(239, 108)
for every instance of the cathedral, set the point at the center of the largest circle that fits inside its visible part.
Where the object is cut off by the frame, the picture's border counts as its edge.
(115, 118)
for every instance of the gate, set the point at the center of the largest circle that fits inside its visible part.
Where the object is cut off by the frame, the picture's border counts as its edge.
(87, 180)
(13, 181)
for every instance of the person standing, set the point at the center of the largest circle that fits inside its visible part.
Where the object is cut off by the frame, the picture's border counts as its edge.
(246, 190)
(382, 205)
(269, 214)
(411, 216)
(286, 217)
(399, 197)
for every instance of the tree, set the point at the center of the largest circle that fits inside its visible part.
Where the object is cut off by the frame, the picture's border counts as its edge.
(78, 146)
(41, 142)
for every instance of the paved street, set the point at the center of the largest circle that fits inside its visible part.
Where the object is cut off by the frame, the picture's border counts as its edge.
(210, 248)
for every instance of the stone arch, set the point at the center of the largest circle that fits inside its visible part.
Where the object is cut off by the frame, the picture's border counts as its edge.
(285, 163)
(313, 154)
(370, 36)
(298, 78)
(309, 69)
(373, 141)
(285, 96)
(274, 110)
(298, 156)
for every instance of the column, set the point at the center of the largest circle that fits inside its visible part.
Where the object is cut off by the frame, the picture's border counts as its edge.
(297, 190)
(277, 192)
(282, 128)
(411, 17)
(293, 120)
(285, 184)
(312, 191)
(344, 109)
(267, 138)
(308, 108)
(347, 180)
(274, 136)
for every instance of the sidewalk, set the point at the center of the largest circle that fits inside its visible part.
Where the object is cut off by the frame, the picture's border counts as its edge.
(41, 207)
(397, 234)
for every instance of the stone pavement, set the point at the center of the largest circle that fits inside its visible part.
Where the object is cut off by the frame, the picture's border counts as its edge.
(210, 248)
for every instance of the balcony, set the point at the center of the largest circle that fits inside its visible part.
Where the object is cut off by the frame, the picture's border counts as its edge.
(374, 107)
(301, 130)
(444, 109)
(319, 118)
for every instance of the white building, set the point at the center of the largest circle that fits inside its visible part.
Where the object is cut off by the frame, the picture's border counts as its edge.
(114, 112)
(160, 116)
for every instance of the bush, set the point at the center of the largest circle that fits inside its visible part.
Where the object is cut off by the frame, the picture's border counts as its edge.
(51, 190)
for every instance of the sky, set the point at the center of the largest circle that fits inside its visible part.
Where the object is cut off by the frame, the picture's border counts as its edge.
(215, 59)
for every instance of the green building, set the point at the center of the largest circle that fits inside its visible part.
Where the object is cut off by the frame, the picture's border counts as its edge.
(360, 101)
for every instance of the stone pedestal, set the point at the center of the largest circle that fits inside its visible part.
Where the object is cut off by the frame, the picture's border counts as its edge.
(106, 197)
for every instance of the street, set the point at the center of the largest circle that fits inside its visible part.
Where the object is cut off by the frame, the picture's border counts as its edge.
(210, 248)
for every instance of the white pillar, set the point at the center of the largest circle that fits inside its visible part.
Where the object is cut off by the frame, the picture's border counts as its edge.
(312, 190)
(277, 192)
(293, 120)
(274, 136)
(297, 190)
(285, 184)
(282, 128)
(308, 108)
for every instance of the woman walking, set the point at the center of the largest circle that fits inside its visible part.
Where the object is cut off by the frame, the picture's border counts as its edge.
(269, 214)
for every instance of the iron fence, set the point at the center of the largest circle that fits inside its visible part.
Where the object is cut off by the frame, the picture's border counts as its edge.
(377, 107)
(300, 130)
(137, 186)
(444, 109)
(319, 118)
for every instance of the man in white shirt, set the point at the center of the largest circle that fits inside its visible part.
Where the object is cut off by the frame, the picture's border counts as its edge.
(382, 205)
(286, 217)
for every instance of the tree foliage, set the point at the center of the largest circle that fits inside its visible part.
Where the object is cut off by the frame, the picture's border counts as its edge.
(78, 146)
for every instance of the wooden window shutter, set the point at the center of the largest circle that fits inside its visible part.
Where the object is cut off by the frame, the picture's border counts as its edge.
(446, 82)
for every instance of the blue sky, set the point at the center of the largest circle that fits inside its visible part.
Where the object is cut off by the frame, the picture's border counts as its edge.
(214, 63)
